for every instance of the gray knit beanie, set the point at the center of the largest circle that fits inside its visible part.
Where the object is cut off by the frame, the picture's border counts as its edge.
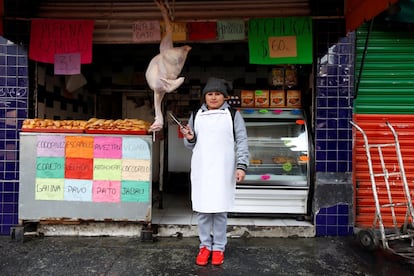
(217, 85)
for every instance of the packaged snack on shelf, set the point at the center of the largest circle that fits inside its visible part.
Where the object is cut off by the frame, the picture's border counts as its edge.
(278, 76)
(291, 76)
(247, 98)
(261, 98)
(293, 98)
(277, 98)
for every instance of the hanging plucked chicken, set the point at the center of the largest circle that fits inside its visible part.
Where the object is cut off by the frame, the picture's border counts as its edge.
(163, 70)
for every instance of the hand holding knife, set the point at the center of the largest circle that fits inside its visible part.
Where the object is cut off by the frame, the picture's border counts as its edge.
(184, 129)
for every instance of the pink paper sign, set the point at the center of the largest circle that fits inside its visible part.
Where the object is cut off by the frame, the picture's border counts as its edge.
(68, 64)
(108, 147)
(106, 191)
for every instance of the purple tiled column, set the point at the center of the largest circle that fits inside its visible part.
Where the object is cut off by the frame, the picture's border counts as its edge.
(14, 90)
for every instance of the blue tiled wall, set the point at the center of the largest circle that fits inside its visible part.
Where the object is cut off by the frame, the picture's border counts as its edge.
(333, 139)
(334, 94)
(334, 221)
(14, 88)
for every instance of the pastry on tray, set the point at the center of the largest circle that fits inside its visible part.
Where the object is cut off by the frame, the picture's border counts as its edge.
(256, 161)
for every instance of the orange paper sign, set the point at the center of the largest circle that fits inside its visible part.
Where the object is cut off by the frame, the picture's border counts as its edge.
(282, 46)
(79, 146)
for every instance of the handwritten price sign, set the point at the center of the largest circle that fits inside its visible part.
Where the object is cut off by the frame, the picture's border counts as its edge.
(67, 64)
(282, 46)
(146, 31)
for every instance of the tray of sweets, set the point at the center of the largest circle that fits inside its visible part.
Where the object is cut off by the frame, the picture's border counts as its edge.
(122, 132)
(53, 130)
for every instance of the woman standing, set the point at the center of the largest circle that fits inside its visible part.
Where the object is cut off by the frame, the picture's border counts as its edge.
(219, 160)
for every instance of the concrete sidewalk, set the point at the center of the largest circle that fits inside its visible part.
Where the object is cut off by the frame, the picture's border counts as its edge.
(176, 256)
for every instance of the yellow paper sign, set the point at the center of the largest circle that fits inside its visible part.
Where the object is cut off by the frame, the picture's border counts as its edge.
(179, 31)
(107, 169)
(49, 189)
(282, 46)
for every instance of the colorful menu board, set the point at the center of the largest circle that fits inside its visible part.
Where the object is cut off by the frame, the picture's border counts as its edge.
(106, 169)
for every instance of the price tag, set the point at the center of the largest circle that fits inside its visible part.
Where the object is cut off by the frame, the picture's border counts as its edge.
(146, 31)
(282, 46)
(67, 64)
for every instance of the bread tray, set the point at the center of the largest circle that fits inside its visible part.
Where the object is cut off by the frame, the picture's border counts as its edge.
(122, 132)
(52, 130)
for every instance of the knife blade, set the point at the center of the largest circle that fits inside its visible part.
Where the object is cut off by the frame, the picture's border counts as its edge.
(178, 122)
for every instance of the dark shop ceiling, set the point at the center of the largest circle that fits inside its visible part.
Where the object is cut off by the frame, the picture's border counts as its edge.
(18, 13)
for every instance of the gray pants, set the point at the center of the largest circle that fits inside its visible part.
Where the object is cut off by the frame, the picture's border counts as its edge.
(212, 230)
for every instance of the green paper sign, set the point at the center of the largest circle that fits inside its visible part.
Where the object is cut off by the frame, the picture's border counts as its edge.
(280, 40)
(135, 191)
(231, 29)
(50, 167)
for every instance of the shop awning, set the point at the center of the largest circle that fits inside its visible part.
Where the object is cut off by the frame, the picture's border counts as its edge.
(1, 17)
(113, 16)
(359, 11)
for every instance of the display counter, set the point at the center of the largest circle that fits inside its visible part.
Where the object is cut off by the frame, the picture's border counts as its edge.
(278, 177)
(77, 176)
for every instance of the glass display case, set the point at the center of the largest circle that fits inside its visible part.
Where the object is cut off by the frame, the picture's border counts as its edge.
(277, 179)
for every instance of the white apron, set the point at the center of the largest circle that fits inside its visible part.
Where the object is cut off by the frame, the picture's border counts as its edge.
(213, 178)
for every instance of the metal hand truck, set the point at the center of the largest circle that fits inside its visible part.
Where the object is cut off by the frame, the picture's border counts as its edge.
(400, 239)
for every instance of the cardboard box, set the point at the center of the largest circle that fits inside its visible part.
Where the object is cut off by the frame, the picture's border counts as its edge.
(293, 98)
(247, 98)
(277, 98)
(261, 98)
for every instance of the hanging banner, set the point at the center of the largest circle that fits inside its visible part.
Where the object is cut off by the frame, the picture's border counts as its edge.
(231, 29)
(280, 40)
(202, 31)
(146, 31)
(49, 37)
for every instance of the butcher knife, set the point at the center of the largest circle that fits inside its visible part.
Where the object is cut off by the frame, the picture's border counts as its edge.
(179, 123)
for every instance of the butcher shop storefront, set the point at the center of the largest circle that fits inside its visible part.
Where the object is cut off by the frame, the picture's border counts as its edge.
(87, 89)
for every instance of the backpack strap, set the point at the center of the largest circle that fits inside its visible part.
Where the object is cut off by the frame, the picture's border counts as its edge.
(233, 114)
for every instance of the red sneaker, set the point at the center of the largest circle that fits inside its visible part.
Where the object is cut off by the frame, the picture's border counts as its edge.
(203, 256)
(217, 258)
